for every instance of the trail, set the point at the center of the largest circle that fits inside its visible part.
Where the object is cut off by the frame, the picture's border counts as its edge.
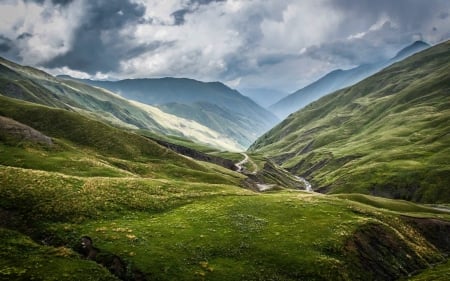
(262, 186)
(240, 165)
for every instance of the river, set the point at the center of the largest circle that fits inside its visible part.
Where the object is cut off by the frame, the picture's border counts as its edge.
(308, 186)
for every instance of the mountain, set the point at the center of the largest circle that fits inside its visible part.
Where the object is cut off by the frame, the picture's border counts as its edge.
(33, 85)
(410, 50)
(151, 214)
(336, 80)
(81, 199)
(213, 104)
(262, 96)
(388, 135)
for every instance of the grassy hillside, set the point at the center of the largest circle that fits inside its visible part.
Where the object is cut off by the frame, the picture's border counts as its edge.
(153, 213)
(211, 104)
(226, 122)
(87, 147)
(337, 79)
(32, 85)
(187, 231)
(387, 135)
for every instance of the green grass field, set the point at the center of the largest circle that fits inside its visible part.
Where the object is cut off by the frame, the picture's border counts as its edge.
(179, 230)
(176, 230)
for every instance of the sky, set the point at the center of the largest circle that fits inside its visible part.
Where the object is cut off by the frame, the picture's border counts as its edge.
(250, 45)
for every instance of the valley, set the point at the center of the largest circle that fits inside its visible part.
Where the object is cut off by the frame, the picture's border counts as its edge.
(352, 187)
(386, 135)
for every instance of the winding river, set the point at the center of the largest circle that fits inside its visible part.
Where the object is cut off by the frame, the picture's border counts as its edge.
(308, 186)
(264, 187)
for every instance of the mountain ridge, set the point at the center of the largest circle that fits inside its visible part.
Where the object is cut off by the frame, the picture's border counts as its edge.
(245, 119)
(337, 79)
(33, 85)
(386, 135)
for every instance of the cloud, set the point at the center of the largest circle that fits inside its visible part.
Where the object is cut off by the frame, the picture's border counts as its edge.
(39, 31)
(99, 43)
(281, 44)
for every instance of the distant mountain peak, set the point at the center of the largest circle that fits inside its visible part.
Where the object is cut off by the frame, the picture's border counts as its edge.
(338, 79)
(411, 49)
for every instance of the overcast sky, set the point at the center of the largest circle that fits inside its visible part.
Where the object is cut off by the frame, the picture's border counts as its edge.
(272, 44)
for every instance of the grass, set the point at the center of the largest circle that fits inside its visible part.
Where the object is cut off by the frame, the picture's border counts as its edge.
(174, 218)
(23, 259)
(221, 237)
(28, 84)
(387, 135)
(86, 147)
(173, 222)
(388, 204)
(439, 272)
(176, 230)
(179, 141)
(184, 230)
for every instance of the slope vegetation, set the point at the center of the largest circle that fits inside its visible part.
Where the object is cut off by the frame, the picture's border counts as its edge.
(32, 85)
(211, 104)
(155, 215)
(387, 135)
(336, 80)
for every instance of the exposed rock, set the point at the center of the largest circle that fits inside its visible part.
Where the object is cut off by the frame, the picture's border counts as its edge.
(11, 129)
(379, 253)
(437, 232)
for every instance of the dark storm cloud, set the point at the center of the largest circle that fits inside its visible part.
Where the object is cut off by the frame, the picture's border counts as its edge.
(24, 35)
(55, 2)
(280, 42)
(361, 41)
(443, 15)
(192, 6)
(356, 51)
(98, 46)
(8, 48)
(6, 44)
(408, 13)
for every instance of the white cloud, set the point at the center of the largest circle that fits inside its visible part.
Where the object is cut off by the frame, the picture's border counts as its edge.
(46, 30)
(198, 48)
(279, 44)
(160, 12)
(76, 74)
(304, 23)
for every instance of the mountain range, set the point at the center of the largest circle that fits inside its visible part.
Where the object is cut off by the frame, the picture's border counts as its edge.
(212, 104)
(387, 135)
(92, 186)
(33, 85)
(336, 80)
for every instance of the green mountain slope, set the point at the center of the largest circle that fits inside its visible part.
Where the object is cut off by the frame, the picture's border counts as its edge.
(336, 80)
(226, 109)
(32, 85)
(387, 135)
(83, 146)
(151, 212)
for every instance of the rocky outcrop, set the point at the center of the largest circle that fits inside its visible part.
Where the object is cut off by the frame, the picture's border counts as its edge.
(11, 130)
(437, 232)
(379, 252)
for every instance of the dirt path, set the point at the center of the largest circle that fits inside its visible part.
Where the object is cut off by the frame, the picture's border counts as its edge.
(240, 165)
